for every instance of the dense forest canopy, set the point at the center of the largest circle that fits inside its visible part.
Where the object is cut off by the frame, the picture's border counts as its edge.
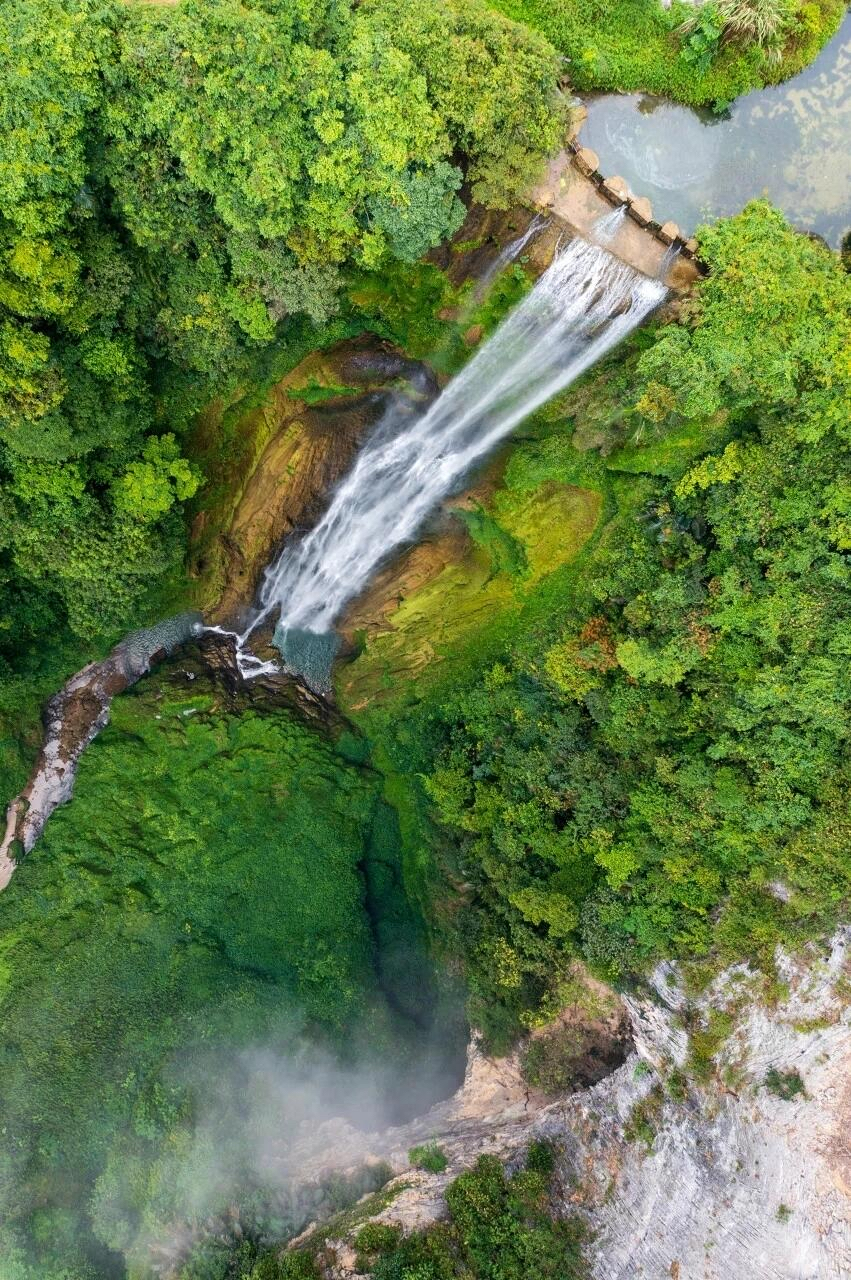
(637, 755)
(661, 770)
(176, 186)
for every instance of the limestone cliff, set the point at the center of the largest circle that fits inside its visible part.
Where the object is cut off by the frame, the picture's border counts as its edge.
(691, 1174)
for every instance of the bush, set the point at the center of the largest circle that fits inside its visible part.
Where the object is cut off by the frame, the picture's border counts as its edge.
(784, 1084)
(627, 46)
(764, 22)
(499, 1228)
(429, 1157)
(377, 1237)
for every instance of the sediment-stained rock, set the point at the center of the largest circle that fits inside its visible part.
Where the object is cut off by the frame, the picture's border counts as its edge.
(72, 718)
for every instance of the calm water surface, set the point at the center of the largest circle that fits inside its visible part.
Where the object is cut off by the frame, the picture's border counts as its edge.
(791, 143)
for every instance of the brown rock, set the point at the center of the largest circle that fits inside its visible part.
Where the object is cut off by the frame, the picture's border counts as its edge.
(669, 232)
(587, 160)
(474, 335)
(618, 186)
(578, 116)
(642, 210)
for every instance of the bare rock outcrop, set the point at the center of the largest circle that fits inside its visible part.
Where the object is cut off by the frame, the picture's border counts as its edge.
(725, 1177)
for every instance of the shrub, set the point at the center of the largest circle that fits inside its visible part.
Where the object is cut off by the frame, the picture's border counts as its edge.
(288, 1266)
(377, 1237)
(499, 1228)
(541, 1158)
(784, 1084)
(762, 22)
(429, 1157)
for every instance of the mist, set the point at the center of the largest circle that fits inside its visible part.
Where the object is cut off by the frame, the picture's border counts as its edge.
(262, 1141)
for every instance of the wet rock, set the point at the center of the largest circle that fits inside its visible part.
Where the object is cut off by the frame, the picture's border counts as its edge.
(642, 210)
(617, 187)
(587, 160)
(669, 232)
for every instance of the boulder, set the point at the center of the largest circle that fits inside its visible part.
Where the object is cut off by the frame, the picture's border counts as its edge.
(587, 161)
(618, 187)
(642, 210)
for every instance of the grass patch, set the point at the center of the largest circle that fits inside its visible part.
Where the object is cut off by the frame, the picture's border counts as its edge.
(786, 1085)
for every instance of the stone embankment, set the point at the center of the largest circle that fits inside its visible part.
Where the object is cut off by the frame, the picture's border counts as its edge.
(577, 193)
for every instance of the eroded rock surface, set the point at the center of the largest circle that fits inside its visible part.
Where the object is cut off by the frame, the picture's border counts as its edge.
(738, 1182)
(72, 718)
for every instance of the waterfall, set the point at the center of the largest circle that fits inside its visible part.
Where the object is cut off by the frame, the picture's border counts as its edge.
(584, 304)
(506, 255)
(607, 227)
(668, 259)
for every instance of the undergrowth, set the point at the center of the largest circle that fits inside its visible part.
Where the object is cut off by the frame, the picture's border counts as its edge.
(637, 45)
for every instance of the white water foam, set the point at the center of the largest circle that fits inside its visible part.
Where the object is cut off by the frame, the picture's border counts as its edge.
(585, 303)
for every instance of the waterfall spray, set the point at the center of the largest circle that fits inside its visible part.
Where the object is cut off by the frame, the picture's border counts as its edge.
(508, 254)
(669, 257)
(584, 304)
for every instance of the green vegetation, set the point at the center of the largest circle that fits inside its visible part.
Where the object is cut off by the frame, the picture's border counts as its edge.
(183, 189)
(787, 1085)
(725, 49)
(430, 1157)
(643, 1121)
(626, 760)
(610, 725)
(499, 1228)
(205, 892)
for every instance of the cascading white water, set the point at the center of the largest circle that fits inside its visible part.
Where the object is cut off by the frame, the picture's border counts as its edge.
(607, 227)
(507, 255)
(584, 304)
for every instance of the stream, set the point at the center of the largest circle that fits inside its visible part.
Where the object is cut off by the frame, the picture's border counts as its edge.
(789, 142)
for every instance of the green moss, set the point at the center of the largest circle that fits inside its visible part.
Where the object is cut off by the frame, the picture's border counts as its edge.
(430, 1157)
(787, 1085)
(706, 1041)
(205, 888)
(643, 1122)
(317, 392)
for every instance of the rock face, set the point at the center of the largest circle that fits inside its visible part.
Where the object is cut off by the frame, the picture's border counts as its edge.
(738, 1182)
(72, 718)
(292, 451)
